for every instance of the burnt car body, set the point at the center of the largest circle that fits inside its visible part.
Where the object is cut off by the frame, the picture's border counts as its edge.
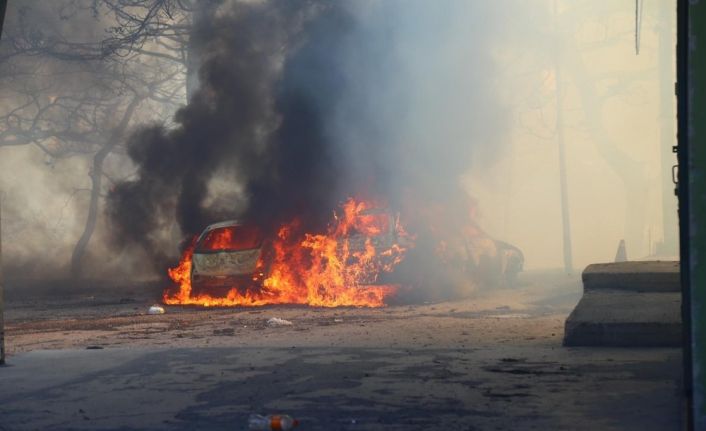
(226, 255)
(494, 263)
(233, 254)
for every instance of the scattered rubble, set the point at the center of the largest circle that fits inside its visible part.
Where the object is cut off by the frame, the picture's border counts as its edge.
(155, 309)
(276, 321)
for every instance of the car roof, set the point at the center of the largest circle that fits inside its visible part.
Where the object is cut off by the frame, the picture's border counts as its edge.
(375, 210)
(227, 223)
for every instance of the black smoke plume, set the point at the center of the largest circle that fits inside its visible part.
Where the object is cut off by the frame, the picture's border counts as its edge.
(304, 103)
(236, 123)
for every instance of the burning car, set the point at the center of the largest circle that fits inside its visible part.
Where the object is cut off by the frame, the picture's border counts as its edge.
(234, 254)
(330, 268)
(360, 259)
(225, 255)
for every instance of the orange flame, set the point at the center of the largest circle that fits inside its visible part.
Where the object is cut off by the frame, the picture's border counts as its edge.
(334, 269)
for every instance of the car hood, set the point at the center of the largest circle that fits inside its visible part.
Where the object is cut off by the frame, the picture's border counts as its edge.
(239, 262)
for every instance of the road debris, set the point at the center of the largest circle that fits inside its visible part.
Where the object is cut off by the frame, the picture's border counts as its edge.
(155, 309)
(271, 422)
(276, 321)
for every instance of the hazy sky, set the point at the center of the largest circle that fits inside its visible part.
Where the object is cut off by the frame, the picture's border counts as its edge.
(519, 196)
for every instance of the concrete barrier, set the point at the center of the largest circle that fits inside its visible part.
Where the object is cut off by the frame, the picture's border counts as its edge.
(647, 276)
(627, 304)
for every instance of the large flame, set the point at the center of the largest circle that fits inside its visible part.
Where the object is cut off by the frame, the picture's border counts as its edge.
(337, 268)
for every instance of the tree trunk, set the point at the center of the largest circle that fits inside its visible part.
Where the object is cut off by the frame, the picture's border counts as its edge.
(630, 171)
(563, 184)
(96, 183)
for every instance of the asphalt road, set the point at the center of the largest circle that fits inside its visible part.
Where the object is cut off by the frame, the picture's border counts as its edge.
(500, 388)
(494, 361)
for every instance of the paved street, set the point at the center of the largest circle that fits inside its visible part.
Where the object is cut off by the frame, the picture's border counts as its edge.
(343, 389)
(493, 361)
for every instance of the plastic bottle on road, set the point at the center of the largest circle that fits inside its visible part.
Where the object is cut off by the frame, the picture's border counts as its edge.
(271, 423)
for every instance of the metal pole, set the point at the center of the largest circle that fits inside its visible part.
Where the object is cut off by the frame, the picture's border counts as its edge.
(565, 217)
(692, 192)
(683, 203)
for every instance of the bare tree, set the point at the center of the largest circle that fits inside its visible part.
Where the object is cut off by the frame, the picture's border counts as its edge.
(80, 98)
(630, 170)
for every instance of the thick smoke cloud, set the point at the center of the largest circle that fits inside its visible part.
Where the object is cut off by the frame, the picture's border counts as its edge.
(302, 104)
(387, 97)
(227, 128)
(417, 105)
